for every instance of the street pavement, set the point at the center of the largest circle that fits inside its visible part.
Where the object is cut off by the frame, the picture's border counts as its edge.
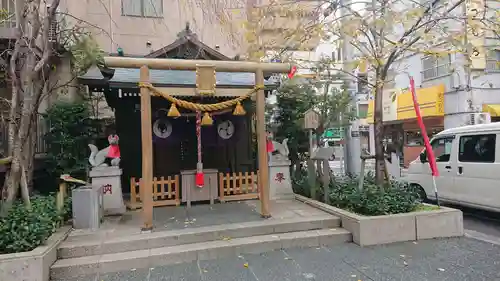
(457, 259)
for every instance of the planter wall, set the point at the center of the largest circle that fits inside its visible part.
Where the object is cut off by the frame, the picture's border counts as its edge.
(33, 265)
(374, 230)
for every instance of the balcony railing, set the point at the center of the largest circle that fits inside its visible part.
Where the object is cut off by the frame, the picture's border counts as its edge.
(41, 129)
(7, 13)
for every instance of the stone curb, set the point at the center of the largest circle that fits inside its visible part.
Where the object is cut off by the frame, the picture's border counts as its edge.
(374, 230)
(33, 265)
(75, 249)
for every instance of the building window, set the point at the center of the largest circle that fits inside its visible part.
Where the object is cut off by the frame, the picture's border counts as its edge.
(493, 60)
(142, 8)
(362, 110)
(435, 66)
(477, 148)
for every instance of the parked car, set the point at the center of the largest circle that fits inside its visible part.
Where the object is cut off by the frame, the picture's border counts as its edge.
(468, 164)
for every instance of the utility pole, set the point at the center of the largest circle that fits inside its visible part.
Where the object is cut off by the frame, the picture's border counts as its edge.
(351, 131)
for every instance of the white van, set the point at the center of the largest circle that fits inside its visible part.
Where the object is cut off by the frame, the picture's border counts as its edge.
(468, 164)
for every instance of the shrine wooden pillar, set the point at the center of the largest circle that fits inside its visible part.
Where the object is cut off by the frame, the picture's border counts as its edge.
(263, 163)
(147, 153)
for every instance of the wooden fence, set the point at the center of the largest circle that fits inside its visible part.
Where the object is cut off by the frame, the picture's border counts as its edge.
(165, 192)
(238, 186)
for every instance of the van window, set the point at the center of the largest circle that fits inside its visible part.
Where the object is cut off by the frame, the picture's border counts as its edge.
(442, 148)
(477, 148)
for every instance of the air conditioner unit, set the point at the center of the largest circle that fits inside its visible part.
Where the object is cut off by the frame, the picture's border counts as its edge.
(479, 118)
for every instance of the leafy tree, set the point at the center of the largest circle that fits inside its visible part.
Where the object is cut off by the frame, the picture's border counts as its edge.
(293, 100)
(72, 128)
(384, 31)
(378, 34)
(298, 95)
(43, 38)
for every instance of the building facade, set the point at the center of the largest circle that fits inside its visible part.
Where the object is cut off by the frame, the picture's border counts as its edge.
(139, 27)
(445, 99)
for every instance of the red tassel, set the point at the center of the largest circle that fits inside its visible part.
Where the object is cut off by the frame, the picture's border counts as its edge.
(200, 180)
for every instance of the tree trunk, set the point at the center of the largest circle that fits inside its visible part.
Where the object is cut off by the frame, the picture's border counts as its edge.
(379, 136)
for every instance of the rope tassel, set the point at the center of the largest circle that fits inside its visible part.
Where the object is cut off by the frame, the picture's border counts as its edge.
(207, 120)
(239, 110)
(173, 111)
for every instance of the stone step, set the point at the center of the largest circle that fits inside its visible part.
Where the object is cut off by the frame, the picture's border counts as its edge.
(82, 266)
(109, 244)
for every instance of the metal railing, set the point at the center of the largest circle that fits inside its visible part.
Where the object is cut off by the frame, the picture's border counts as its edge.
(41, 129)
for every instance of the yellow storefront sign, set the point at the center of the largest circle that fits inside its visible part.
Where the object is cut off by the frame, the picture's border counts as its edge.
(369, 114)
(431, 101)
(492, 109)
(389, 107)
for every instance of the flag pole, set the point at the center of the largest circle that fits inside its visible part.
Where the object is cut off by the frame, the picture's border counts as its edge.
(428, 147)
(435, 190)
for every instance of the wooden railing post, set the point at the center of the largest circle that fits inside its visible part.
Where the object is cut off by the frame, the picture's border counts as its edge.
(147, 153)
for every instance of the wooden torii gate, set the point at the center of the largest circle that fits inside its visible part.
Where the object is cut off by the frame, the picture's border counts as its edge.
(146, 131)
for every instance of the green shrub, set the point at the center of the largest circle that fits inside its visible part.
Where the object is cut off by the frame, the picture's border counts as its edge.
(373, 200)
(24, 229)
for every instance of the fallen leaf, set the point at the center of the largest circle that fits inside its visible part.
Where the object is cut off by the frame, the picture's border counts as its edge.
(405, 263)
(240, 257)
(287, 258)
(402, 256)
(205, 271)
(245, 265)
(441, 269)
(133, 269)
(415, 242)
(309, 275)
(353, 276)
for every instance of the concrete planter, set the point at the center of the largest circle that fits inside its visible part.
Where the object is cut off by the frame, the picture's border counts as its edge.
(33, 265)
(374, 230)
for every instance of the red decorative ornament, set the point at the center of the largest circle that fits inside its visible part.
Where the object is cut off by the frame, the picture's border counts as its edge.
(199, 179)
(292, 72)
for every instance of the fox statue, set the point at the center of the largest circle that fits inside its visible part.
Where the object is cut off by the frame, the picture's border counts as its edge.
(98, 157)
(281, 148)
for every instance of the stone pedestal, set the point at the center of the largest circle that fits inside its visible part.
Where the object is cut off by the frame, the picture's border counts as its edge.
(280, 183)
(108, 179)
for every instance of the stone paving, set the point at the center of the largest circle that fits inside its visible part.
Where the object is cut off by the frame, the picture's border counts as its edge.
(457, 259)
(174, 218)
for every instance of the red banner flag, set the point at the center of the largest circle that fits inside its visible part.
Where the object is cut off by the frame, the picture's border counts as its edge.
(428, 147)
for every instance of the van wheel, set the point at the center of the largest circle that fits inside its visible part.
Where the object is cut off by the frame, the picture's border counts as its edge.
(421, 192)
